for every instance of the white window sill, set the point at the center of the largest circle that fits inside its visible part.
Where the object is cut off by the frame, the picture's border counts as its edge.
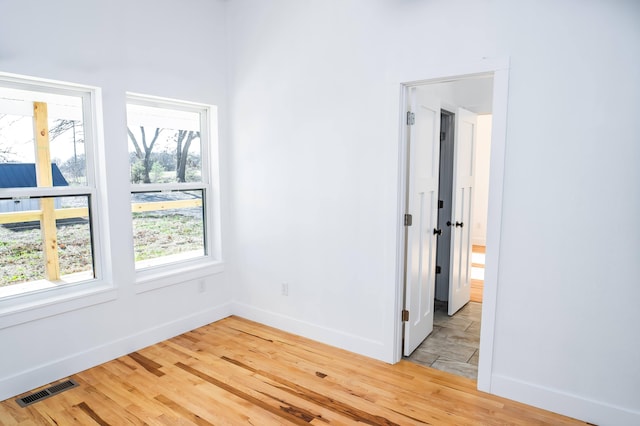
(170, 260)
(47, 299)
(176, 273)
(38, 285)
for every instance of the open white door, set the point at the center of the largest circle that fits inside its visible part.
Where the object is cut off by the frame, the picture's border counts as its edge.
(422, 199)
(463, 180)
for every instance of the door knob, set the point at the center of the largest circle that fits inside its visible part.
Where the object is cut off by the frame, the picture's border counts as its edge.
(460, 224)
(437, 231)
(449, 223)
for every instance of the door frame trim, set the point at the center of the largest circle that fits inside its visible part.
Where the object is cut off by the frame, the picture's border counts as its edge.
(499, 68)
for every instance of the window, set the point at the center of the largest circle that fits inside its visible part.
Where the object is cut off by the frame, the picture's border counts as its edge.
(169, 156)
(47, 187)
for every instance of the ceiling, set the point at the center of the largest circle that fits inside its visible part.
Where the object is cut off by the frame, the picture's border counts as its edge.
(472, 93)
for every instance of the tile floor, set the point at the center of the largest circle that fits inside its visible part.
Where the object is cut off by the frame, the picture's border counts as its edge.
(453, 344)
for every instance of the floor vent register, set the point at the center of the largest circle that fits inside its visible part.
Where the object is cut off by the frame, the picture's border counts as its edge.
(46, 393)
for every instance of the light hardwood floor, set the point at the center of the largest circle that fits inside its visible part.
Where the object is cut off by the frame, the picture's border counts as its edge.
(236, 372)
(477, 285)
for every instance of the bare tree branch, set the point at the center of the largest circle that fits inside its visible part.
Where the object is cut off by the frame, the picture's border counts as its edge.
(182, 152)
(144, 153)
(155, 138)
(133, 139)
(60, 126)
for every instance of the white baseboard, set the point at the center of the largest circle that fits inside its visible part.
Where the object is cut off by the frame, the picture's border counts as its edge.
(575, 406)
(333, 337)
(55, 370)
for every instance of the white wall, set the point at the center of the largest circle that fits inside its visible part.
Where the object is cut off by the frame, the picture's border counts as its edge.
(159, 48)
(314, 168)
(311, 153)
(481, 188)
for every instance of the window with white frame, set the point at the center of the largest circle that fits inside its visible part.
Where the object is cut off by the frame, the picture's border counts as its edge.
(47, 186)
(170, 174)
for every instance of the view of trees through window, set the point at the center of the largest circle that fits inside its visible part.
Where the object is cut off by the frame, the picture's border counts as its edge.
(47, 187)
(49, 204)
(165, 153)
(66, 141)
(164, 145)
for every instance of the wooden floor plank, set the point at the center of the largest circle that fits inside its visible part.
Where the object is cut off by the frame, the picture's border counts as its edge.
(237, 372)
(477, 286)
(477, 289)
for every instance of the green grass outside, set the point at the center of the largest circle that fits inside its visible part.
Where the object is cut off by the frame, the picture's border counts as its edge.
(155, 235)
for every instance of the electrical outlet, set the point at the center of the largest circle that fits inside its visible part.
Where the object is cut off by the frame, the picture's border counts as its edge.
(201, 286)
(285, 289)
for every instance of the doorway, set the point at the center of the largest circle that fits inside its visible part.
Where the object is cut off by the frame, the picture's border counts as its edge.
(453, 343)
(485, 88)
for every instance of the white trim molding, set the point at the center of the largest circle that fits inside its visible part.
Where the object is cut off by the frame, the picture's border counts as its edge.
(499, 69)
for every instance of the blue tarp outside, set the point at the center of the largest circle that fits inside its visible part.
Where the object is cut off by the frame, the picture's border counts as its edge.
(23, 175)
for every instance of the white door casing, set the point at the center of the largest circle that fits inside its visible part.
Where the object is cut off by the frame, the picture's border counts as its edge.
(422, 205)
(462, 209)
(498, 68)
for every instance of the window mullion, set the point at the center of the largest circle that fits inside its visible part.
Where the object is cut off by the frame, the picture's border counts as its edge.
(54, 191)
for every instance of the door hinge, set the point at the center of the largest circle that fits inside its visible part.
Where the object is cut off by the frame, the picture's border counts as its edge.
(405, 315)
(438, 269)
(442, 136)
(411, 118)
(408, 220)
(440, 204)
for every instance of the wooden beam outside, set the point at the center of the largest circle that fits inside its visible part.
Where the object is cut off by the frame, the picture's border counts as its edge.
(33, 215)
(45, 180)
(25, 216)
(68, 213)
(165, 205)
(50, 239)
(71, 213)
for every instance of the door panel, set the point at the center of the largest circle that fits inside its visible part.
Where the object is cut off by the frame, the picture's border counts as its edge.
(463, 181)
(423, 152)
